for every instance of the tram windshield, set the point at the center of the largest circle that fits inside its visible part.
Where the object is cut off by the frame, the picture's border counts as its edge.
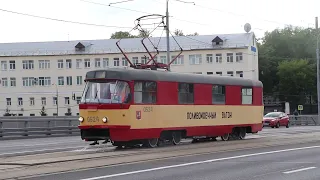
(106, 92)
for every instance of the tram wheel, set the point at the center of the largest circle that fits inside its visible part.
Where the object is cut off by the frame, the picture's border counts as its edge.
(176, 138)
(151, 143)
(242, 133)
(225, 137)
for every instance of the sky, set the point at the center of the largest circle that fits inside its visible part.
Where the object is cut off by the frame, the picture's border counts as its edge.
(205, 17)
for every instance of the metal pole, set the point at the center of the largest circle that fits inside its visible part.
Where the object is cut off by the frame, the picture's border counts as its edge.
(318, 80)
(167, 30)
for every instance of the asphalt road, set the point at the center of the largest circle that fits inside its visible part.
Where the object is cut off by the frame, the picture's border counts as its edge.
(74, 143)
(300, 161)
(40, 145)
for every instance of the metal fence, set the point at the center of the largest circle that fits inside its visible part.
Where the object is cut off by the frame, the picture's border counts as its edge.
(38, 126)
(45, 126)
(304, 120)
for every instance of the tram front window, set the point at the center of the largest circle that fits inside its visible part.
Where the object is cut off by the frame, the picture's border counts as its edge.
(106, 92)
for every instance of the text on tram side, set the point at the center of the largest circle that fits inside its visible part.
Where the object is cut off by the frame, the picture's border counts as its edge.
(201, 115)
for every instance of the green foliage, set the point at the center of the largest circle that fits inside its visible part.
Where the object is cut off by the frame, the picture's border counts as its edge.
(125, 34)
(296, 77)
(287, 61)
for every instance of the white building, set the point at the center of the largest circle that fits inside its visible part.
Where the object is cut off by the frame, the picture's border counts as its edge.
(33, 73)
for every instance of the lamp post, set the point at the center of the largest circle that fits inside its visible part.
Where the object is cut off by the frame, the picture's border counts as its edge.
(318, 78)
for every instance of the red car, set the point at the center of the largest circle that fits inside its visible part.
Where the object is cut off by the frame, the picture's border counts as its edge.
(276, 119)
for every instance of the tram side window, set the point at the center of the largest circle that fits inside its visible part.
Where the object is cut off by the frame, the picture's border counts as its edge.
(186, 93)
(218, 94)
(145, 92)
(246, 95)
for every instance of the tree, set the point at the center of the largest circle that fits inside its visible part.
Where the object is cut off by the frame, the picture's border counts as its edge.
(43, 111)
(144, 33)
(297, 78)
(7, 112)
(194, 34)
(284, 45)
(178, 32)
(121, 34)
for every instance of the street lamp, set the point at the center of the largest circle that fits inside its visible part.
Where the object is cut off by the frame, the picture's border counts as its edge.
(57, 93)
(318, 79)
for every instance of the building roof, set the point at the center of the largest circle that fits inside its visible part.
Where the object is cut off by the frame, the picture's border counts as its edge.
(153, 75)
(131, 45)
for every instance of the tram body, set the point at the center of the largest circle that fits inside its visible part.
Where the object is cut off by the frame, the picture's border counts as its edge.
(125, 105)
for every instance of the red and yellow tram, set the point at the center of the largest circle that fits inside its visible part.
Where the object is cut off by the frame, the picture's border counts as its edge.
(147, 106)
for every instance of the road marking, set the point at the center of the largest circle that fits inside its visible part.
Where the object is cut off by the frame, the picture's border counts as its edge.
(199, 162)
(298, 170)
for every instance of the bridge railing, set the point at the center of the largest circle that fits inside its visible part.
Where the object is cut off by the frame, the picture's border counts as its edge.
(304, 120)
(38, 126)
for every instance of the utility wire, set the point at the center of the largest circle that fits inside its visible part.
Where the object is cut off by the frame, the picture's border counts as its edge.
(60, 20)
(101, 4)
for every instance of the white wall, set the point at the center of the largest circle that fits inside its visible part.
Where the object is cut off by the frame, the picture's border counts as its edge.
(249, 66)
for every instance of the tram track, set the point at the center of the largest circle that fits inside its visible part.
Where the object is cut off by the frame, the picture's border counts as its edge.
(142, 155)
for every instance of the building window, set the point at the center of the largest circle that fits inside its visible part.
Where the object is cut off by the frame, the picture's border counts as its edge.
(20, 101)
(230, 57)
(218, 94)
(8, 101)
(44, 64)
(179, 60)
(28, 64)
(69, 80)
(78, 63)
(116, 62)
(4, 82)
(143, 60)
(195, 59)
(87, 63)
(60, 64)
(55, 101)
(79, 80)
(28, 81)
(60, 80)
(246, 95)
(44, 81)
(78, 100)
(69, 63)
(209, 58)
(145, 92)
(124, 62)
(4, 65)
(135, 60)
(209, 73)
(163, 59)
(32, 101)
(66, 100)
(97, 62)
(239, 73)
(105, 62)
(13, 82)
(230, 73)
(12, 65)
(219, 73)
(44, 101)
(218, 58)
(186, 93)
(239, 57)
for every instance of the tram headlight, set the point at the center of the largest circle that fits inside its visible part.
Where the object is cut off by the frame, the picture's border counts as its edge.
(81, 119)
(104, 119)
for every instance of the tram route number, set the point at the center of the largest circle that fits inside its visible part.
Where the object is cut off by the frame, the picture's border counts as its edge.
(148, 109)
(93, 119)
(226, 114)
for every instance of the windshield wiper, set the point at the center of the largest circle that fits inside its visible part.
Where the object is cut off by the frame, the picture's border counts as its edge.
(96, 97)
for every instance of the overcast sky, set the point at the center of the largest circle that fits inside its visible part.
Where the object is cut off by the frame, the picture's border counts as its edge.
(205, 17)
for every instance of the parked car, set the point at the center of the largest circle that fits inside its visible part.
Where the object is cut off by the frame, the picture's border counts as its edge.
(276, 119)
